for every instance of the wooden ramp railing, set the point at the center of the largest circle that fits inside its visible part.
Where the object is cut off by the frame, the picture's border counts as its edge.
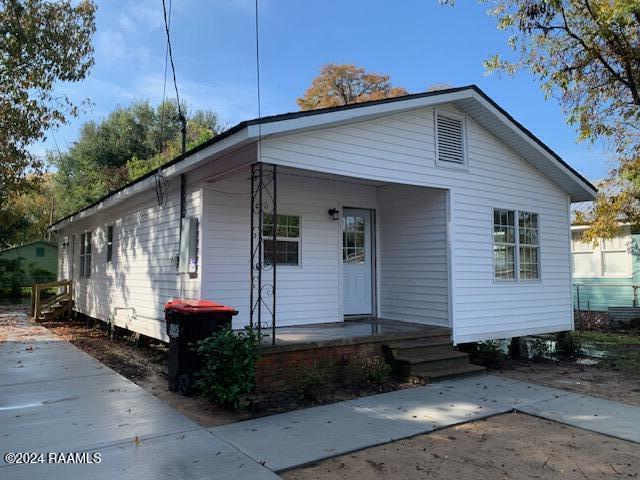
(60, 303)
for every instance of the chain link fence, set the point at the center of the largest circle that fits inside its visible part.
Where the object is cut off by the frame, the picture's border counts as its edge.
(600, 297)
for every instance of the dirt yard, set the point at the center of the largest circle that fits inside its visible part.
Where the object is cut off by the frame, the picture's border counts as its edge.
(621, 386)
(510, 446)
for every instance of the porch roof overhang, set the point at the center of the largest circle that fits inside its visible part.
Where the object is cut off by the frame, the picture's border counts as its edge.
(470, 99)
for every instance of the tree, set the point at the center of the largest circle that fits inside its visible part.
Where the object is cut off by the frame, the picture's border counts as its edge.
(586, 53)
(128, 143)
(26, 215)
(42, 44)
(346, 84)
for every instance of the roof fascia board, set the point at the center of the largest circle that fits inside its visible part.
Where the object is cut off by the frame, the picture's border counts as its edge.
(330, 119)
(503, 118)
(237, 139)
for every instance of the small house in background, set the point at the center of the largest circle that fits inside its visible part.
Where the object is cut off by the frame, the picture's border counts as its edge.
(33, 262)
(606, 273)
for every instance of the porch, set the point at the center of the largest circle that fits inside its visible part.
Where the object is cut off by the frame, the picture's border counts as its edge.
(349, 332)
(337, 351)
(320, 249)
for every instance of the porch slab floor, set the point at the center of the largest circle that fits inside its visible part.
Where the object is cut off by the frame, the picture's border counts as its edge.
(349, 331)
(293, 439)
(56, 398)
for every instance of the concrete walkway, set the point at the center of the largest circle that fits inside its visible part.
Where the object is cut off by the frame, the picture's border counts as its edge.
(56, 398)
(297, 438)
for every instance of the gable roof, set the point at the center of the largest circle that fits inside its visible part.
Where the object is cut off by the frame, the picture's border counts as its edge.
(471, 99)
(28, 244)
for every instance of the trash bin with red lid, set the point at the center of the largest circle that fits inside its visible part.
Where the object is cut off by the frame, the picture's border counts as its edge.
(188, 321)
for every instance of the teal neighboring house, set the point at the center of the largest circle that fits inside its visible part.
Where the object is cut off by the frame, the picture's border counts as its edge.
(33, 262)
(605, 275)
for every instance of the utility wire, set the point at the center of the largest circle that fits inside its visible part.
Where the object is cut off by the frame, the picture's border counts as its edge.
(258, 83)
(170, 51)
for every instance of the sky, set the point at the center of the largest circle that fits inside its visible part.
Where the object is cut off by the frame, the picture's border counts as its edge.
(417, 42)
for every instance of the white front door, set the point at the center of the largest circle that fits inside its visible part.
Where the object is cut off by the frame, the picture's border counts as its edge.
(357, 261)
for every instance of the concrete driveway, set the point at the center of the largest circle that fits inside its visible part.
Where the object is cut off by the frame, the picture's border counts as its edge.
(54, 398)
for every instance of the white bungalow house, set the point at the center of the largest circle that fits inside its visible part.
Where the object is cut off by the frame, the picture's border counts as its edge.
(435, 208)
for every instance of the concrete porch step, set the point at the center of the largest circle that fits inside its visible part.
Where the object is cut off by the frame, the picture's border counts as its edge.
(428, 358)
(420, 343)
(449, 372)
(430, 355)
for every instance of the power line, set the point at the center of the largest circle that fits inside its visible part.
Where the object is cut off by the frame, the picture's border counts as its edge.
(181, 117)
(258, 82)
(170, 51)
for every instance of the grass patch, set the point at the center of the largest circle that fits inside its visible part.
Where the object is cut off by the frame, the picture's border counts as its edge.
(607, 338)
(622, 351)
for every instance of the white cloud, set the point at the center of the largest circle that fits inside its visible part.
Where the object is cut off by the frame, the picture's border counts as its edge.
(233, 101)
(114, 48)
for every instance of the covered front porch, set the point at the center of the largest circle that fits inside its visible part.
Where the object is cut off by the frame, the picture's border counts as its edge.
(320, 249)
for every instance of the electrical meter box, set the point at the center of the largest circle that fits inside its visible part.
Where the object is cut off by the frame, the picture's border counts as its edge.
(188, 260)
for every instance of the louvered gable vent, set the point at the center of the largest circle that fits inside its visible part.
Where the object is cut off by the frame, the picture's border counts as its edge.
(450, 139)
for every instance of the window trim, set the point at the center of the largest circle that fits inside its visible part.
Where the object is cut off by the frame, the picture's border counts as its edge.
(597, 256)
(629, 258)
(465, 149)
(285, 239)
(85, 241)
(516, 278)
(109, 243)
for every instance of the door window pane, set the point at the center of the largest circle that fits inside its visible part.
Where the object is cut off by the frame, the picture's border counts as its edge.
(353, 239)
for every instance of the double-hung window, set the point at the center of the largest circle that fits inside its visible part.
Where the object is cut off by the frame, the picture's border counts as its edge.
(616, 257)
(85, 255)
(286, 250)
(516, 249)
(109, 243)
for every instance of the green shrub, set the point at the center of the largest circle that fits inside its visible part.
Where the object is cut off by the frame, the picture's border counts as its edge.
(539, 348)
(308, 381)
(228, 365)
(488, 354)
(374, 370)
(567, 343)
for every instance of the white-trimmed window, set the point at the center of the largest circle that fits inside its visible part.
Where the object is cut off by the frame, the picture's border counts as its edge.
(616, 256)
(583, 257)
(109, 243)
(85, 255)
(450, 136)
(610, 257)
(287, 245)
(529, 252)
(516, 248)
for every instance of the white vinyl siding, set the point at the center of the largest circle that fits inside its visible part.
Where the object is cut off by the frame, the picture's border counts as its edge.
(308, 293)
(413, 255)
(400, 148)
(131, 290)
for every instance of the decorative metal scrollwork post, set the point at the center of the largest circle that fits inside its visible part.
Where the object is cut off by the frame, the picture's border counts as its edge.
(263, 273)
